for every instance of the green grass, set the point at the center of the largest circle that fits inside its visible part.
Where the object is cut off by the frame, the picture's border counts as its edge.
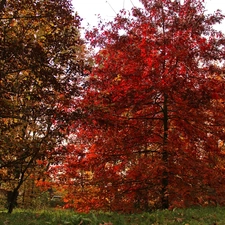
(190, 216)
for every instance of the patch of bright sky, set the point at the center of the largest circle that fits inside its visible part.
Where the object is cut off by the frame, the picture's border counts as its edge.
(89, 10)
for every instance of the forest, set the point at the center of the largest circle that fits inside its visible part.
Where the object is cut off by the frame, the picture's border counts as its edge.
(129, 118)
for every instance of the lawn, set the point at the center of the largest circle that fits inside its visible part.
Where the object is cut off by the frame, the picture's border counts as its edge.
(190, 216)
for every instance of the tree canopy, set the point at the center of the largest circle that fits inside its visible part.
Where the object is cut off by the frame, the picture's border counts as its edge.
(154, 130)
(139, 128)
(41, 62)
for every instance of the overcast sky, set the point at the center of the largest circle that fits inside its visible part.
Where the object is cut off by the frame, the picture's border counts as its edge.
(90, 9)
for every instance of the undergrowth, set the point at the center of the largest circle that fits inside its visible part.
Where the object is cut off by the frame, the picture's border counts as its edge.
(190, 216)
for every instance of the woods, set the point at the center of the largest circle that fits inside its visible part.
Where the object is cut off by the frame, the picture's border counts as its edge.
(41, 60)
(137, 125)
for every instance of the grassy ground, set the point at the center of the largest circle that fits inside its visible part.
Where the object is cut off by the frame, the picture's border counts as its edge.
(191, 216)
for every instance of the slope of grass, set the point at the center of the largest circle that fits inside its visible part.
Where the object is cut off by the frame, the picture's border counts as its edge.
(191, 216)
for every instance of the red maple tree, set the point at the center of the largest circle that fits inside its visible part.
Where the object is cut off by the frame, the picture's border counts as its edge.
(154, 130)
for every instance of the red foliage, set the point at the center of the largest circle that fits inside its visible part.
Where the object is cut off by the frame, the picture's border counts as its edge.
(155, 112)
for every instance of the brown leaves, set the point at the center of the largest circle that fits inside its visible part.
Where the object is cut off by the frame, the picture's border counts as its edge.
(41, 53)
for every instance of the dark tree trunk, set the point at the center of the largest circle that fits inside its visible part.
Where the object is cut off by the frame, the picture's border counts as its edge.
(12, 200)
(165, 177)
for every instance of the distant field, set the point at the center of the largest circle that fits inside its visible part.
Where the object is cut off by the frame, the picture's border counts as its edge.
(191, 216)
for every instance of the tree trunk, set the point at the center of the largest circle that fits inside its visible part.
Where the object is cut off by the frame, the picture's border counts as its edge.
(12, 200)
(165, 177)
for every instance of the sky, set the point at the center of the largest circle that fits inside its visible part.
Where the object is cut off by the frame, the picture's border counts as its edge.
(90, 9)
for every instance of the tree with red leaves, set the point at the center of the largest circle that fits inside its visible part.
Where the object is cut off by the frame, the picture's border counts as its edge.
(154, 132)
